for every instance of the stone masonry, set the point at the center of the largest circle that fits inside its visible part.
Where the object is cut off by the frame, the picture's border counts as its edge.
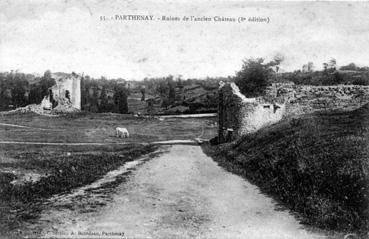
(238, 115)
(68, 85)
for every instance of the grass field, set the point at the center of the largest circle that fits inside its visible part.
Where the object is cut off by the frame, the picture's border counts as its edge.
(317, 165)
(89, 127)
(29, 174)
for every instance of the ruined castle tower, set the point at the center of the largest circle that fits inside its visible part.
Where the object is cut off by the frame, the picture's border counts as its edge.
(67, 89)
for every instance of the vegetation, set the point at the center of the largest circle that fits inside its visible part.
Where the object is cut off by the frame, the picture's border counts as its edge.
(326, 78)
(62, 168)
(167, 95)
(102, 95)
(317, 165)
(330, 75)
(254, 76)
(353, 67)
(84, 165)
(97, 95)
(161, 85)
(173, 94)
(110, 95)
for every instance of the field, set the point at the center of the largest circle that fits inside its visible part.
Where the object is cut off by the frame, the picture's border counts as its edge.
(100, 128)
(29, 174)
(317, 165)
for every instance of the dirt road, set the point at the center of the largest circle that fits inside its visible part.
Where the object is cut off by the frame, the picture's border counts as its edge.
(164, 142)
(181, 194)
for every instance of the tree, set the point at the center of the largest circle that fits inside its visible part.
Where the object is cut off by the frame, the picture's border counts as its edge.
(45, 83)
(143, 94)
(162, 89)
(104, 104)
(325, 68)
(165, 103)
(253, 78)
(120, 99)
(332, 64)
(85, 92)
(20, 85)
(349, 67)
(5, 91)
(47, 74)
(179, 83)
(34, 96)
(94, 102)
(338, 78)
(2, 91)
(304, 68)
(172, 92)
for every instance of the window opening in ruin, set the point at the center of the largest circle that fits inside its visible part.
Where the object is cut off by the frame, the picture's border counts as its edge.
(51, 98)
(229, 136)
(67, 94)
(276, 107)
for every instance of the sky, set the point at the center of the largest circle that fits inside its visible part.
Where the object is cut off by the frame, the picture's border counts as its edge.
(69, 36)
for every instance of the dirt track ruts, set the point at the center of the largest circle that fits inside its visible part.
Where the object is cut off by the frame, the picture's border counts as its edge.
(184, 194)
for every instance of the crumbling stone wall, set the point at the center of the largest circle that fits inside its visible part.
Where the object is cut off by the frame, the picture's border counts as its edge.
(308, 99)
(239, 115)
(71, 85)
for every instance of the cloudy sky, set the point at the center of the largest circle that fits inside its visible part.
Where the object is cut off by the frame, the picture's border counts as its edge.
(69, 36)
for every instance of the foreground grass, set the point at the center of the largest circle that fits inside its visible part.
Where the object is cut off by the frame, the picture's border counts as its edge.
(62, 168)
(317, 165)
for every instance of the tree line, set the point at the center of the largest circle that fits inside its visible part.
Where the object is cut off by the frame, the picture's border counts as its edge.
(97, 95)
(103, 95)
(17, 89)
(331, 74)
(256, 74)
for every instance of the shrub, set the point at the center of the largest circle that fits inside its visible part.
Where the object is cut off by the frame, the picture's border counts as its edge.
(254, 76)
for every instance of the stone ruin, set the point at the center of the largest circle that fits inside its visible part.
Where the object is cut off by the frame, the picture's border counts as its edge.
(66, 92)
(239, 115)
(63, 97)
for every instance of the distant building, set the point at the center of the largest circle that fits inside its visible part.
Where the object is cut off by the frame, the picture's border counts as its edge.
(133, 84)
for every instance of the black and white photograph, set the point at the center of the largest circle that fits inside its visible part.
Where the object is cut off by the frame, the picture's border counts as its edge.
(184, 119)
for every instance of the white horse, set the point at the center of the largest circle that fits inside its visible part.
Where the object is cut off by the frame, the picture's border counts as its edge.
(122, 132)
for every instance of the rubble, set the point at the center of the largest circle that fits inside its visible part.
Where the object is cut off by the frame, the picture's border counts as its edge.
(26, 109)
(41, 110)
(66, 94)
(64, 108)
(46, 103)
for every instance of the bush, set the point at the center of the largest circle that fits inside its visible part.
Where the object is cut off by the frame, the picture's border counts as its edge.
(361, 81)
(254, 76)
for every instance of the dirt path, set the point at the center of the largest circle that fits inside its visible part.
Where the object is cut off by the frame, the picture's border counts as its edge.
(190, 116)
(185, 194)
(20, 126)
(166, 142)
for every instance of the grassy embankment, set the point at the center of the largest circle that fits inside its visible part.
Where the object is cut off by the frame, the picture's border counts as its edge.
(60, 168)
(318, 165)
